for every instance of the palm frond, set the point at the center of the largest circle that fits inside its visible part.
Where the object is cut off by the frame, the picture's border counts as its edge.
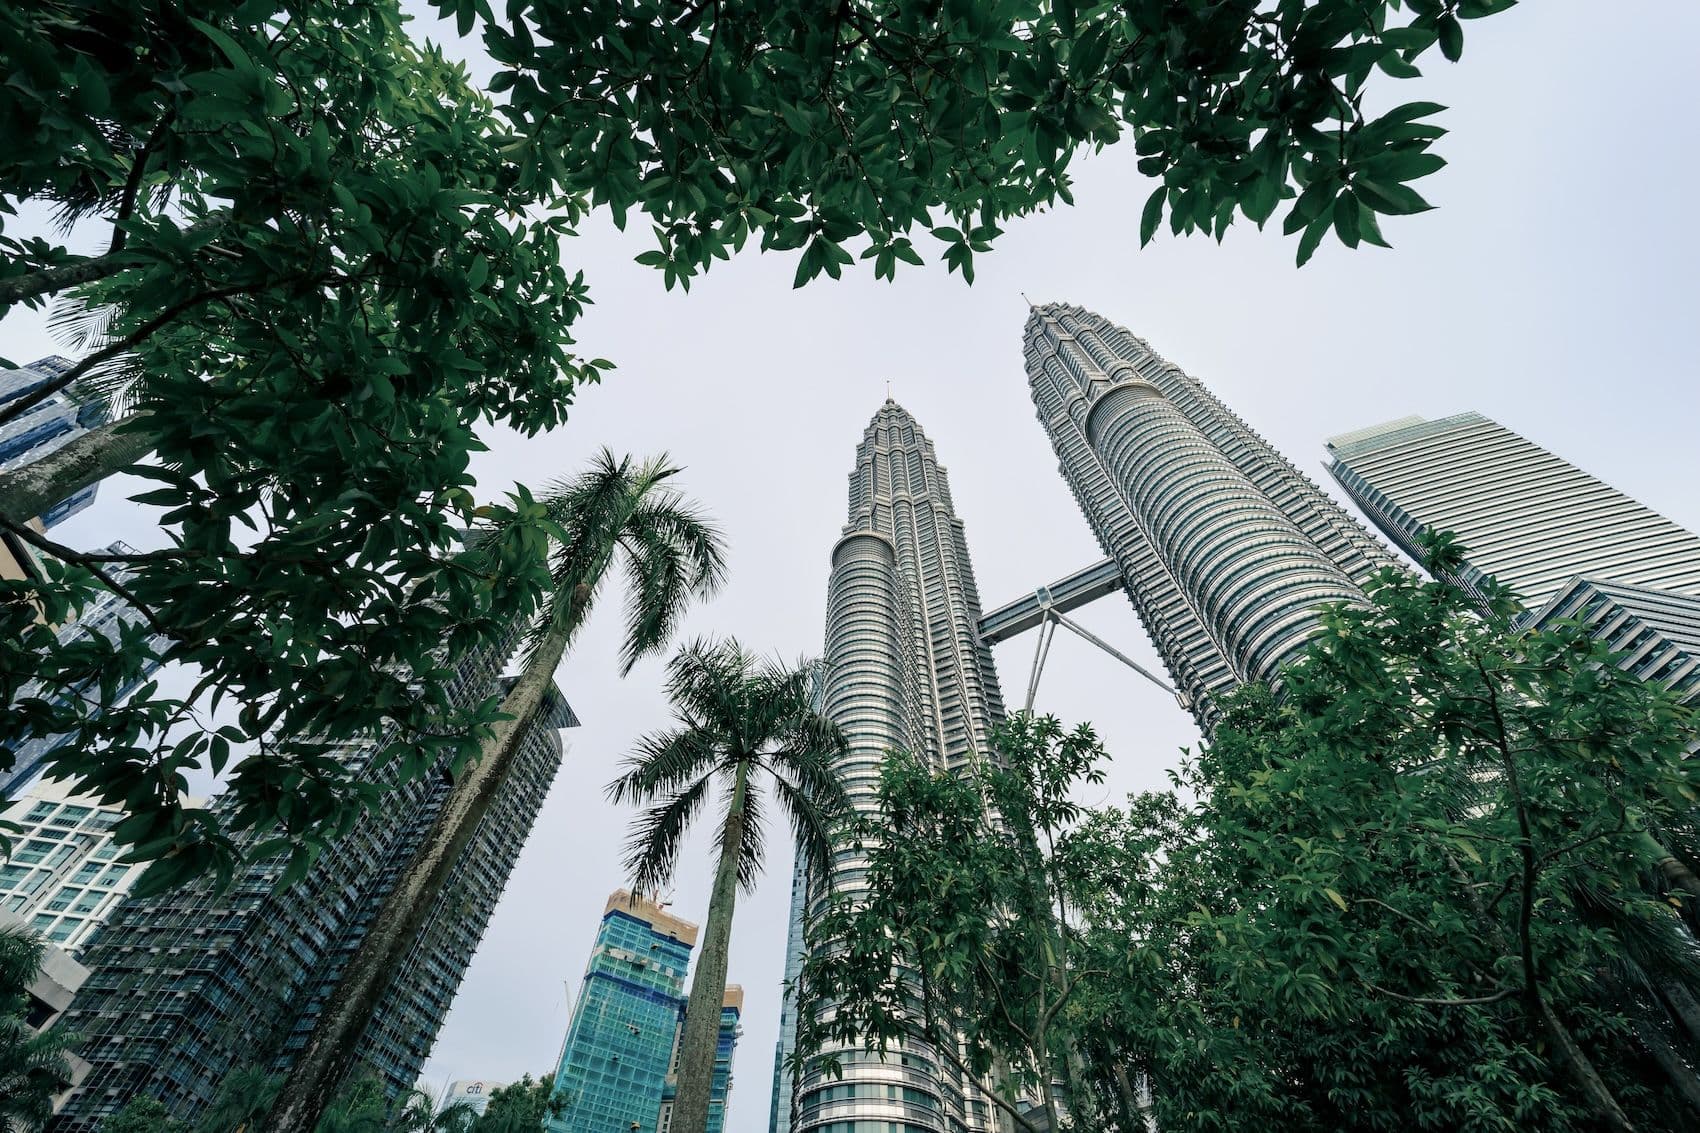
(664, 762)
(752, 848)
(707, 682)
(659, 835)
(673, 554)
(812, 826)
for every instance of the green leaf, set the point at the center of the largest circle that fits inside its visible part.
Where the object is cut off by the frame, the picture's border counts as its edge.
(1451, 36)
(1152, 216)
(1312, 237)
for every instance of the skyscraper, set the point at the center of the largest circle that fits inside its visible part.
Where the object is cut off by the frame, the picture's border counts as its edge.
(55, 421)
(63, 877)
(193, 984)
(1225, 549)
(905, 669)
(1526, 516)
(108, 615)
(616, 1072)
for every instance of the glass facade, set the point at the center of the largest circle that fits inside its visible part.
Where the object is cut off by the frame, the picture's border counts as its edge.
(107, 615)
(617, 1064)
(190, 985)
(63, 877)
(50, 424)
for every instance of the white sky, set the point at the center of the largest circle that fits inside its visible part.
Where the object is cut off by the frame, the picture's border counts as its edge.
(1552, 290)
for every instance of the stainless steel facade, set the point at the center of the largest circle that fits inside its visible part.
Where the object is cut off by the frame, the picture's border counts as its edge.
(1526, 516)
(905, 669)
(1225, 548)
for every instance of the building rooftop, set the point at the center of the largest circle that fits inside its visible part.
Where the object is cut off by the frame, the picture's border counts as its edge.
(658, 918)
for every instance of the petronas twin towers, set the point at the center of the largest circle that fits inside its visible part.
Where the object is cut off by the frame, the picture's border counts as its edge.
(1225, 549)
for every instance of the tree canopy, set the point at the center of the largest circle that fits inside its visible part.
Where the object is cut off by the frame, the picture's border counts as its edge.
(325, 260)
(1444, 881)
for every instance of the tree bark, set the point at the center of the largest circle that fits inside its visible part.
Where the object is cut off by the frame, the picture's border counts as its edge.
(1674, 870)
(1676, 1068)
(708, 987)
(29, 491)
(48, 281)
(1582, 1070)
(1682, 1005)
(329, 1054)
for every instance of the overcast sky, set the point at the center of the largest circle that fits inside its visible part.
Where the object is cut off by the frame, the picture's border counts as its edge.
(1552, 290)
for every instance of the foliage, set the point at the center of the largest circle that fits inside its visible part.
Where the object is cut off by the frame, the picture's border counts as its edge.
(359, 1108)
(320, 282)
(812, 125)
(1443, 881)
(740, 721)
(242, 1098)
(326, 261)
(32, 1066)
(141, 1114)
(959, 937)
(417, 1112)
(519, 1107)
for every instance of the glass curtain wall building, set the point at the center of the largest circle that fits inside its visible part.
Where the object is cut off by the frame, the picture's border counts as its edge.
(905, 669)
(50, 424)
(107, 615)
(193, 984)
(63, 877)
(1526, 516)
(617, 1066)
(1225, 548)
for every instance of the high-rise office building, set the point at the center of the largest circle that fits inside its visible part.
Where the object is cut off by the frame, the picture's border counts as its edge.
(1655, 632)
(472, 1093)
(1526, 516)
(720, 1084)
(784, 1082)
(63, 878)
(617, 1066)
(904, 669)
(1224, 547)
(193, 984)
(53, 422)
(108, 615)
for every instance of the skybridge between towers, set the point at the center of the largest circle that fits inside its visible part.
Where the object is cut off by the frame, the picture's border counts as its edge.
(1049, 606)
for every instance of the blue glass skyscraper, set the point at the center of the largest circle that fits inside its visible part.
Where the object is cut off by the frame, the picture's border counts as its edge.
(616, 1068)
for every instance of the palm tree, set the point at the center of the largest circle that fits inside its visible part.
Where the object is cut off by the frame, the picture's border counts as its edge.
(418, 1113)
(738, 718)
(618, 512)
(242, 1099)
(358, 1109)
(32, 1065)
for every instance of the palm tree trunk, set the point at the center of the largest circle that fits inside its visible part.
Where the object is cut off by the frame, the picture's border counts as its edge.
(1682, 1005)
(329, 1054)
(1606, 1110)
(1676, 1068)
(1675, 871)
(701, 1040)
(31, 490)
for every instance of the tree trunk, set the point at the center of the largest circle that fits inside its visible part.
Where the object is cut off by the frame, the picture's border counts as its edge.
(48, 281)
(1674, 870)
(1682, 1005)
(329, 1054)
(1676, 1068)
(708, 987)
(30, 491)
(1606, 1109)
